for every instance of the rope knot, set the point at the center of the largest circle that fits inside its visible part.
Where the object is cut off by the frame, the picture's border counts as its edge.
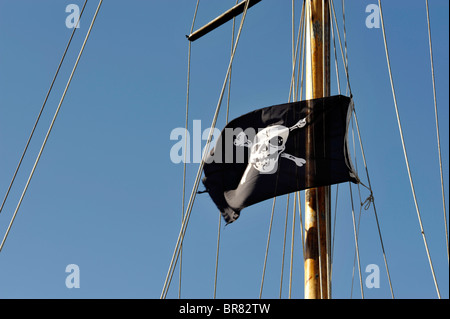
(368, 201)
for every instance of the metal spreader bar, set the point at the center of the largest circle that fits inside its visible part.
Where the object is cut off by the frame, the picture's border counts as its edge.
(222, 19)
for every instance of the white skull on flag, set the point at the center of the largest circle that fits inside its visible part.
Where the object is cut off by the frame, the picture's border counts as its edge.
(267, 147)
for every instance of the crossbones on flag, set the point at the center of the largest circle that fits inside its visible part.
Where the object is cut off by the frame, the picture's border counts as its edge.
(263, 154)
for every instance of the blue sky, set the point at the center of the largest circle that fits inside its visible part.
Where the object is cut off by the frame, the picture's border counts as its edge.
(107, 197)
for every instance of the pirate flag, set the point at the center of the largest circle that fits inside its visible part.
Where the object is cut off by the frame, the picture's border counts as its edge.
(263, 154)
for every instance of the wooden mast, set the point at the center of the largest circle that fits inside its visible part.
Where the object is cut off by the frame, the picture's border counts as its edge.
(317, 200)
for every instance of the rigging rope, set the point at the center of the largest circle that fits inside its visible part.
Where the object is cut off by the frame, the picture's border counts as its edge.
(185, 221)
(373, 202)
(291, 90)
(300, 83)
(294, 63)
(267, 247)
(335, 53)
(217, 255)
(284, 243)
(302, 54)
(185, 140)
(356, 242)
(366, 205)
(356, 231)
(345, 39)
(340, 46)
(437, 127)
(301, 223)
(339, 92)
(404, 151)
(300, 58)
(319, 250)
(326, 92)
(292, 85)
(42, 108)
(334, 231)
(226, 121)
(363, 154)
(51, 126)
(292, 242)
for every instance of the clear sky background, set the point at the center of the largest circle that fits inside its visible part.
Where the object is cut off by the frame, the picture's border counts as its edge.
(107, 197)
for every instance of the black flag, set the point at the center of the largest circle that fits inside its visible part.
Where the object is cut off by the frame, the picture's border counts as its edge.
(263, 154)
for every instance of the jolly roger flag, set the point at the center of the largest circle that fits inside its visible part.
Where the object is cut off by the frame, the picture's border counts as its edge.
(263, 154)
